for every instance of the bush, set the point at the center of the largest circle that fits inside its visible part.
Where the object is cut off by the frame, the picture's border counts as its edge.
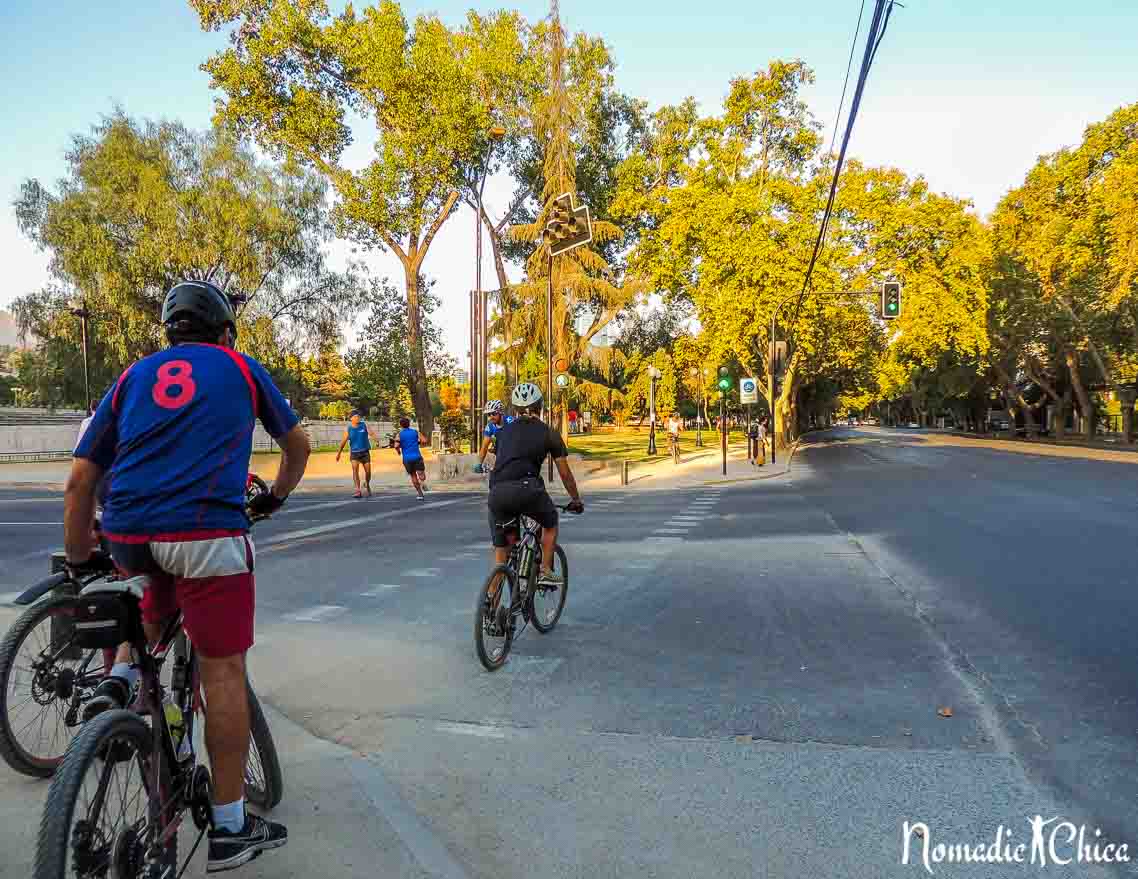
(338, 410)
(455, 429)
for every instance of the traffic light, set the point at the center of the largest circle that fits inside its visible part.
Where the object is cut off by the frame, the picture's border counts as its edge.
(724, 379)
(561, 367)
(890, 300)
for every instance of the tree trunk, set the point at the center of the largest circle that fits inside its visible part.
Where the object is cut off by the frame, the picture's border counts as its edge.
(1059, 419)
(1081, 394)
(420, 396)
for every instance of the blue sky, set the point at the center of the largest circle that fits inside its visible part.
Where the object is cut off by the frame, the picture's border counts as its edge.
(966, 93)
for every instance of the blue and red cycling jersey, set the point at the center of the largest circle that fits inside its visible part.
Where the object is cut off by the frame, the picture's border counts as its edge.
(174, 436)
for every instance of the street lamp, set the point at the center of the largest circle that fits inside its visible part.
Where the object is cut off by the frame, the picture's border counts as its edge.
(84, 315)
(478, 378)
(653, 376)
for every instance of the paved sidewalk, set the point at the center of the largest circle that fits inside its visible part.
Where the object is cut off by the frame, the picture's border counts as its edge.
(344, 819)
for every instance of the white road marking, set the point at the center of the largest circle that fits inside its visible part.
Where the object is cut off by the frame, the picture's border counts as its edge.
(327, 505)
(472, 729)
(423, 572)
(670, 531)
(663, 540)
(316, 614)
(348, 523)
(687, 518)
(640, 566)
(379, 590)
(38, 524)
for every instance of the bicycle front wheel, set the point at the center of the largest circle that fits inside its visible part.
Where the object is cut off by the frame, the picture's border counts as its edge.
(493, 623)
(547, 602)
(264, 782)
(96, 818)
(43, 681)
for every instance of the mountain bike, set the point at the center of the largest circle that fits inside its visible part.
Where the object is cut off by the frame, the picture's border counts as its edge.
(46, 677)
(132, 774)
(496, 622)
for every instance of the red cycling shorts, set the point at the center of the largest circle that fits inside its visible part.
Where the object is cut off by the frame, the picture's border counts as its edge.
(209, 578)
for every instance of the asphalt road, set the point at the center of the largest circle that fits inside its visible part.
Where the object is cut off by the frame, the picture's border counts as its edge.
(746, 680)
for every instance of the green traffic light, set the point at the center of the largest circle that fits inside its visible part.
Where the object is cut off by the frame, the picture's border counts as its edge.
(724, 384)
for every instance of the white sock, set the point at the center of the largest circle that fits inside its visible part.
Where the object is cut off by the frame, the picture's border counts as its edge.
(229, 817)
(126, 671)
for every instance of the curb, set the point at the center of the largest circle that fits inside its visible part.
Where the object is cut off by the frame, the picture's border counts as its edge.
(758, 477)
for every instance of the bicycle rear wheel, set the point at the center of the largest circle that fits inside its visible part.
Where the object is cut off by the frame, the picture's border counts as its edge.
(264, 782)
(96, 818)
(42, 686)
(547, 602)
(493, 624)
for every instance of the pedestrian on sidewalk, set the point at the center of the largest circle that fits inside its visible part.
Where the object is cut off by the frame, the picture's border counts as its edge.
(357, 435)
(408, 445)
(752, 443)
(762, 442)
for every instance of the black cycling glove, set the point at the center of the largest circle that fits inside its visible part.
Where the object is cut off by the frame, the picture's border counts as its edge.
(264, 505)
(577, 507)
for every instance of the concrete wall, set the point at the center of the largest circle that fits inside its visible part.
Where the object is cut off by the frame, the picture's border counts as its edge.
(61, 437)
(51, 438)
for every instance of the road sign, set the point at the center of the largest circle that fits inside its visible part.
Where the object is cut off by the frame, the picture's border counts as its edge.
(567, 226)
(562, 380)
(748, 390)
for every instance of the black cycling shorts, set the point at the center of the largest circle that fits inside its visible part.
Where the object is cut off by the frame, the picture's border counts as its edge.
(510, 499)
(413, 464)
(363, 457)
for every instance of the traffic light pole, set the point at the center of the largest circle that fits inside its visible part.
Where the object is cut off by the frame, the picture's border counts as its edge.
(723, 428)
(549, 355)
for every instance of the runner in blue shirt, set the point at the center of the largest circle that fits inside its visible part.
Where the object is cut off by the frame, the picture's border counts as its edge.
(407, 444)
(357, 435)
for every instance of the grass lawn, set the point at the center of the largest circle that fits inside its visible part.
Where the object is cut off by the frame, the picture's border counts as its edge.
(632, 445)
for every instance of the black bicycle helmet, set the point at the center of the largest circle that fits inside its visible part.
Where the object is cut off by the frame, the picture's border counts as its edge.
(196, 308)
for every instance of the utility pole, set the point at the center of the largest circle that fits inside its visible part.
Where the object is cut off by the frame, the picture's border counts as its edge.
(83, 314)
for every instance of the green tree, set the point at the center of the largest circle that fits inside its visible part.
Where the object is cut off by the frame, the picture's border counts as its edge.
(292, 75)
(582, 281)
(1064, 270)
(146, 204)
(380, 364)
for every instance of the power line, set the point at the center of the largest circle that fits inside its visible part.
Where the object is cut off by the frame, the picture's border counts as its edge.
(846, 82)
(881, 12)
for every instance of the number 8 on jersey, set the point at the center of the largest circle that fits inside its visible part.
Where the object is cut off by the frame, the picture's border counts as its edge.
(174, 375)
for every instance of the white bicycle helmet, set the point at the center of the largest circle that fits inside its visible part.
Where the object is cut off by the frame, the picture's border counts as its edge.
(525, 395)
(494, 406)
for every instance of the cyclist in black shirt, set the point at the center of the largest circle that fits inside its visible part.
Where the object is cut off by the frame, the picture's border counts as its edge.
(516, 485)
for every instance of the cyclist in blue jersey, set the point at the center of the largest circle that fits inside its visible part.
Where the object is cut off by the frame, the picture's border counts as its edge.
(359, 435)
(408, 445)
(174, 437)
(496, 419)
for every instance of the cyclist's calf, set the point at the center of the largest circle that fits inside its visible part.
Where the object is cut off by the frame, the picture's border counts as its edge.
(226, 723)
